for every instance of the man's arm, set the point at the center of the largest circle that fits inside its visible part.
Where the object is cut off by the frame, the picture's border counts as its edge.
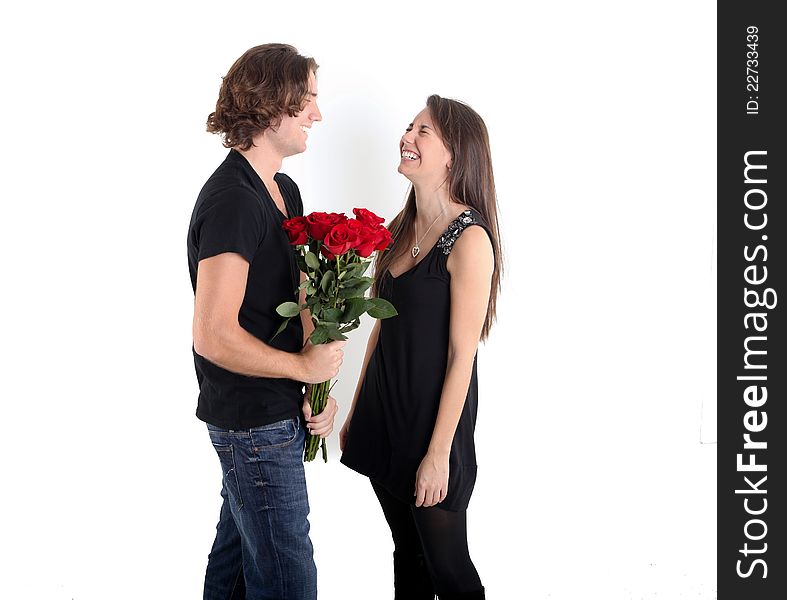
(321, 424)
(218, 337)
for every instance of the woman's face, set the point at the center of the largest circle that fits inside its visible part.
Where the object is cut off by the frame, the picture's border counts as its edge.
(423, 155)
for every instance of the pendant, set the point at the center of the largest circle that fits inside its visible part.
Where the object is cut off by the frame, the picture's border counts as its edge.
(415, 251)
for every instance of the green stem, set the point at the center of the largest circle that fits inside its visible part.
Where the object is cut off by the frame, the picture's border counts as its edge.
(317, 400)
(319, 394)
(338, 275)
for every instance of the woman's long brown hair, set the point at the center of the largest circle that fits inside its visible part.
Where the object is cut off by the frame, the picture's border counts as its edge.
(470, 182)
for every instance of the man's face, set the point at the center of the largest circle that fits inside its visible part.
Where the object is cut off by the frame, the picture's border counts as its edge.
(290, 136)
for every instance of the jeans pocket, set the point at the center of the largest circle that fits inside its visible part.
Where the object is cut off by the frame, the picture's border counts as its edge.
(229, 473)
(276, 435)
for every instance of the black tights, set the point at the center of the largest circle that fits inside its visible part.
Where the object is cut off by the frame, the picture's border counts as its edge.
(431, 554)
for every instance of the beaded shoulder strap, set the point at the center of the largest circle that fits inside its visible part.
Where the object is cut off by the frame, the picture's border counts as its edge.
(455, 229)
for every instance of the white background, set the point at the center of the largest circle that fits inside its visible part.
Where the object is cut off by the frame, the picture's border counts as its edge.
(596, 428)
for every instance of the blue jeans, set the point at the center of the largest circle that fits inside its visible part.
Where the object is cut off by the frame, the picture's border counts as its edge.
(262, 549)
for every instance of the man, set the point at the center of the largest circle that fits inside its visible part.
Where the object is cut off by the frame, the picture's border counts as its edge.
(251, 384)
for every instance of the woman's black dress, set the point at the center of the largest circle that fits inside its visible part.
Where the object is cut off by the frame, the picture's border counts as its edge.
(397, 407)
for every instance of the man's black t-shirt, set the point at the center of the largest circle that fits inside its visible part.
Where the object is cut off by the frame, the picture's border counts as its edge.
(235, 213)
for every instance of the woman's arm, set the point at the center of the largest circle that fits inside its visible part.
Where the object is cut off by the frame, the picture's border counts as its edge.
(370, 346)
(470, 264)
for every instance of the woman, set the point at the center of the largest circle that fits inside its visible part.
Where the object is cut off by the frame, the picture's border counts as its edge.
(410, 428)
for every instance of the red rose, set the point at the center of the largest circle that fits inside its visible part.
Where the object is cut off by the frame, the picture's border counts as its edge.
(356, 225)
(327, 253)
(320, 223)
(384, 239)
(367, 217)
(367, 238)
(340, 239)
(296, 230)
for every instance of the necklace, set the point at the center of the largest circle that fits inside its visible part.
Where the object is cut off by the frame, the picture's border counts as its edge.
(416, 249)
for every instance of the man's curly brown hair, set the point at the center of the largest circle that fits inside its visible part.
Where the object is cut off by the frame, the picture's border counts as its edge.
(263, 84)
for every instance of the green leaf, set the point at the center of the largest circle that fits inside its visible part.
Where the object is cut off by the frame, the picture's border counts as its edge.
(354, 325)
(334, 333)
(288, 309)
(327, 279)
(356, 270)
(349, 271)
(356, 288)
(313, 261)
(310, 289)
(362, 267)
(319, 335)
(381, 309)
(281, 328)
(301, 263)
(332, 314)
(354, 308)
(353, 281)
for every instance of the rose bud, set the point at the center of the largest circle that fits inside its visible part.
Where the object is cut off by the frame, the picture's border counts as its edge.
(368, 217)
(340, 239)
(296, 230)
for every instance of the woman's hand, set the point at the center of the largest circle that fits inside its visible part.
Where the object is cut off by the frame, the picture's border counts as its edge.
(345, 431)
(431, 480)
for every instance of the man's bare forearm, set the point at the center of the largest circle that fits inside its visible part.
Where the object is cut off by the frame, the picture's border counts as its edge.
(236, 350)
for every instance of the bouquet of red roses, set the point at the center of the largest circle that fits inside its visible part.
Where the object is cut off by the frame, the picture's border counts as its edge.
(334, 252)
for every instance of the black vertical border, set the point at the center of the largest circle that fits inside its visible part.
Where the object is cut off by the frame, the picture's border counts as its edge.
(738, 133)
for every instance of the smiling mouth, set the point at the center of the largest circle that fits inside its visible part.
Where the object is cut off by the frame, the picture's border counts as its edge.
(408, 155)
